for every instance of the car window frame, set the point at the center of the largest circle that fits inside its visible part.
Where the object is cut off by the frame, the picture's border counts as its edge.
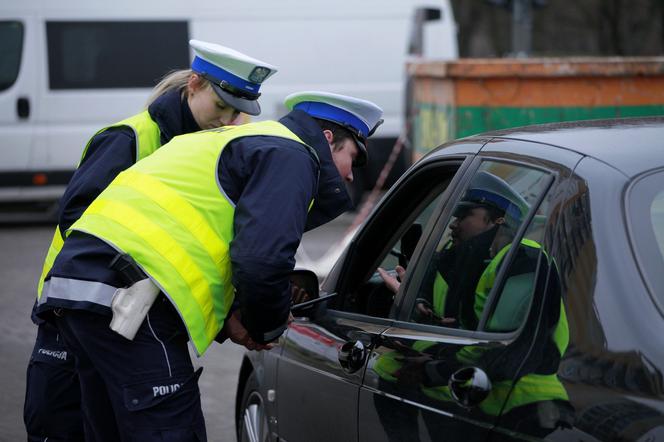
(343, 283)
(404, 325)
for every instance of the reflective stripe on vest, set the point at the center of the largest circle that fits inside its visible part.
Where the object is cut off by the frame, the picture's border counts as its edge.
(529, 389)
(147, 135)
(170, 214)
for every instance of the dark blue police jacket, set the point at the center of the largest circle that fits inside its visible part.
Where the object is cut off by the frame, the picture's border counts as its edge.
(271, 180)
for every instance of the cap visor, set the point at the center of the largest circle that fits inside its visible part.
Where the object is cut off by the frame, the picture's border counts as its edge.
(462, 206)
(250, 107)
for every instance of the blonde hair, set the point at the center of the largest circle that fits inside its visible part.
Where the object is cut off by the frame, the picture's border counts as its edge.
(174, 80)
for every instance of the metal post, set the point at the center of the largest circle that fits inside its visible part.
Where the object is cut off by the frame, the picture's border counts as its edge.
(522, 22)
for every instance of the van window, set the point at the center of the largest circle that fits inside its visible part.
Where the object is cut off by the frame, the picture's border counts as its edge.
(114, 54)
(11, 46)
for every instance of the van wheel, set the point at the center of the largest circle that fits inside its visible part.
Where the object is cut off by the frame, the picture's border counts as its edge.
(252, 423)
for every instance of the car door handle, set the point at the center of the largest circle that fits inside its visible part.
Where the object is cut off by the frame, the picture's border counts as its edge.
(352, 356)
(469, 386)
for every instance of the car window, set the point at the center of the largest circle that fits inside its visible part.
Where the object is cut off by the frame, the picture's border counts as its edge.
(114, 54)
(645, 203)
(390, 240)
(378, 295)
(478, 244)
(11, 46)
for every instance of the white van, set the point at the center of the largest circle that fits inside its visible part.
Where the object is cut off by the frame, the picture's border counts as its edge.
(69, 67)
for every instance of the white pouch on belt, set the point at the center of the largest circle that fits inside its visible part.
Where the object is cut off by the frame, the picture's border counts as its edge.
(130, 307)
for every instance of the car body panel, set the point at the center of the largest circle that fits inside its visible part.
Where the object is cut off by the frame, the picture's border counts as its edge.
(408, 405)
(605, 140)
(608, 378)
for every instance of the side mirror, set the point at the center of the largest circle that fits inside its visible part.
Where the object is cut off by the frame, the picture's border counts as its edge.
(307, 281)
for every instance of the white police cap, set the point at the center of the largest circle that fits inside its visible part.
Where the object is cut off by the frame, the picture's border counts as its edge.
(360, 117)
(487, 189)
(235, 77)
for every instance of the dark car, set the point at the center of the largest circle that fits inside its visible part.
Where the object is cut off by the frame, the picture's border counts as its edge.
(531, 306)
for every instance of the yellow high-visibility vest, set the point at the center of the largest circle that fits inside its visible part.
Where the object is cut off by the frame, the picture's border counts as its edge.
(170, 214)
(147, 135)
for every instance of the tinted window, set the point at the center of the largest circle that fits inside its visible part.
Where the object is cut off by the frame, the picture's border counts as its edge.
(11, 46)
(478, 253)
(646, 211)
(103, 55)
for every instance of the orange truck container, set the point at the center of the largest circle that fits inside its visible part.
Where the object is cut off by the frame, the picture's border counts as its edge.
(449, 100)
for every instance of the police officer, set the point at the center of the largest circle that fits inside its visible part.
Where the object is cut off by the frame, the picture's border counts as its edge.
(220, 84)
(479, 216)
(211, 218)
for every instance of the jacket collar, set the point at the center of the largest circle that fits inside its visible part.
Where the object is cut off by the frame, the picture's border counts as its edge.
(332, 198)
(173, 116)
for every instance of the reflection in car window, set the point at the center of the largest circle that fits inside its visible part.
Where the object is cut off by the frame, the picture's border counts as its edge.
(646, 213)
(513, 302)
(11, 46)
(474, 246)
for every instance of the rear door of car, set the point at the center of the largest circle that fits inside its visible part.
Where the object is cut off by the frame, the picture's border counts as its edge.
(325, 352)
(426, 380)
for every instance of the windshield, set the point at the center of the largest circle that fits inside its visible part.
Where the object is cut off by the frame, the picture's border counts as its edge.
(11, 44)
(646, 213)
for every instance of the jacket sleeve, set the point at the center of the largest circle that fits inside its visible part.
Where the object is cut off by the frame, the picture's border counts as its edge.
(274, 187)
(109, 153)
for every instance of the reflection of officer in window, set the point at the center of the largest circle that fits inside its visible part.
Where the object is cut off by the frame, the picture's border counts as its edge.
(525, 391)
(490, 205)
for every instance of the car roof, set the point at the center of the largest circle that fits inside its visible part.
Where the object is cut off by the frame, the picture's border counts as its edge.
(631, 145)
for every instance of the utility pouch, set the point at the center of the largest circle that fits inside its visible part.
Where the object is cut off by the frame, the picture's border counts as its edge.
(130, 305)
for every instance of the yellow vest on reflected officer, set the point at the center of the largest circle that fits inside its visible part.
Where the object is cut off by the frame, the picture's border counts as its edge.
(169, 213)
(531, 387)
(147, 135)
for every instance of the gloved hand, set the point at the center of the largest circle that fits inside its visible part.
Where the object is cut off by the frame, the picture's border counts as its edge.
(234, 330)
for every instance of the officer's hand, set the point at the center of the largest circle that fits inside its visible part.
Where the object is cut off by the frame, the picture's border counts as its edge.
(391, 282)
(424, 310)
(448, 322)
(236, 332)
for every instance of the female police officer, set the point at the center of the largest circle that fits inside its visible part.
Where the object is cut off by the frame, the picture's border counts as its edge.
(210, 218)
(220, 84)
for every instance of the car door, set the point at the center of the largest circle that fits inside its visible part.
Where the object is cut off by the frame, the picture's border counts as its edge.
(325, 352)
(448, 374)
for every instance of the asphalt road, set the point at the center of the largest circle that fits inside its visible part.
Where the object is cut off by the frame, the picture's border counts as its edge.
(22, 249)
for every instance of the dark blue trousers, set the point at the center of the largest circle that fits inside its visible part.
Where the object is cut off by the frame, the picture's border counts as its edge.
(52, 409)
(141, 390)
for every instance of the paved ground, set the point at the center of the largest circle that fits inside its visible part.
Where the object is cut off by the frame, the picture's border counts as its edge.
(21, 254)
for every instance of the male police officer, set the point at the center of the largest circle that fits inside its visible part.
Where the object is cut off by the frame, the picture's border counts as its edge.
(210, 217)
(221, 83)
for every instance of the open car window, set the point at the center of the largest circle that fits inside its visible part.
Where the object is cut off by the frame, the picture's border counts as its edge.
(480, 272)
(390, 239)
